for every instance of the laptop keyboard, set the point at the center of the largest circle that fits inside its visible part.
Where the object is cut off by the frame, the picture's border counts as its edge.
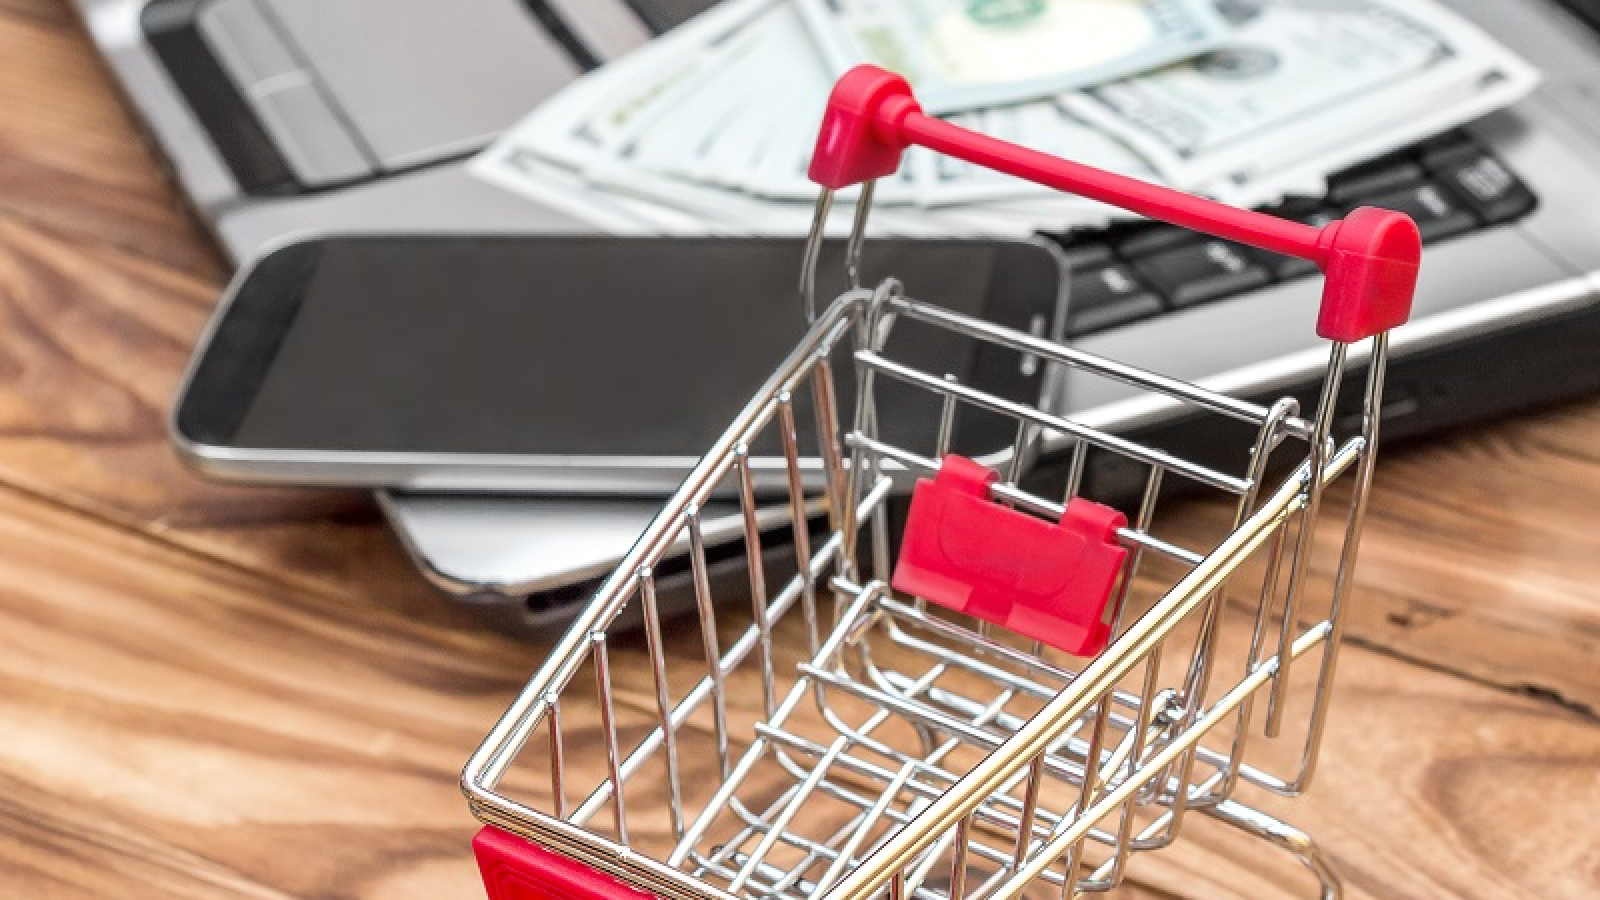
(1451, 185)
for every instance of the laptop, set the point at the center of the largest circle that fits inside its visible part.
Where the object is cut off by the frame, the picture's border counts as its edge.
(282, 118)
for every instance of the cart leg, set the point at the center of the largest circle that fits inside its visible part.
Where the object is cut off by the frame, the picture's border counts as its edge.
(1286, 836)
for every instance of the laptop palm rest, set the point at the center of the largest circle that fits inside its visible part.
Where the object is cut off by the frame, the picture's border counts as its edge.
(360, 88)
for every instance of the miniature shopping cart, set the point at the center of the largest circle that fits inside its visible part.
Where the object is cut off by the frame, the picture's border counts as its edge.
(1000, 689)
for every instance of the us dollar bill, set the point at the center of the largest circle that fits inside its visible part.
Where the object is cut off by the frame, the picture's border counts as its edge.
(1302, 79)
(765, 100)
(966, 54)
(710, 129)
(1040, 125)
(580, 151)
(627, 96)
(753, 122)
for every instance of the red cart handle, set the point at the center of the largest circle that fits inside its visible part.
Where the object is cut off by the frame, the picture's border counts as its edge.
(1370, 257)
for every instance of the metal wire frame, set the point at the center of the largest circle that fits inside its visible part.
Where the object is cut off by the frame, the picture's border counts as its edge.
(1086, 695)
(1141, 748)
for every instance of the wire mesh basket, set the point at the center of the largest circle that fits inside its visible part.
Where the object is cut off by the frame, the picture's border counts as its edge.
(1011, 692)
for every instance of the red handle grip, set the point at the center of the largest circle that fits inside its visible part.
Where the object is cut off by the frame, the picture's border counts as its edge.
(1370, 257)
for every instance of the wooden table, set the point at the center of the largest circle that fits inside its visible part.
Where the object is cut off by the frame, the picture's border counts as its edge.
(215, 692)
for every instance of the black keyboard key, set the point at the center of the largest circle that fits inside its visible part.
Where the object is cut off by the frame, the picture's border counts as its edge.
(1386, 173)
(1284, 268)
(1200, 273)
(1107, 296)
(1486, 185)
(1440, 150)
(1449, 184)
(1586, 10)
(1082, 255)
(1436, 210)
(1310, 212)
(1147, 239)
(1296, 208)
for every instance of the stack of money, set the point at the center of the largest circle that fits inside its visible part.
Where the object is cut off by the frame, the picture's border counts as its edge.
(708, 129)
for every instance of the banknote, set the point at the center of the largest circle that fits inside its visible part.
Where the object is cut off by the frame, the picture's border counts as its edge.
(703, 112)
(600, 115)
(536, 161)
(1041, 125)
(529, 175)
(736, 136)
(1301, 78)
(752, 126)
(576, 154)
(676, 77)
(710, 129)
(966, 54)
(755, 97)
(631, 93)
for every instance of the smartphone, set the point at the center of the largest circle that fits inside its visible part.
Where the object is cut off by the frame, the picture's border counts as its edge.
(565, 364)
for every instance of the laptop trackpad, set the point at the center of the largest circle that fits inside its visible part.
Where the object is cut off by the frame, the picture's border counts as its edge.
(420, 80)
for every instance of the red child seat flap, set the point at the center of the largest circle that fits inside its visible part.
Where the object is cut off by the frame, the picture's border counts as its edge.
(517, 869)
(1050, 582)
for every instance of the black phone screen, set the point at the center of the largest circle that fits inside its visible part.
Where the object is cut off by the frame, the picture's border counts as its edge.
(551, 346)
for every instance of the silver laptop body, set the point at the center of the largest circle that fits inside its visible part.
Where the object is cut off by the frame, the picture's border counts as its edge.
(362, 111)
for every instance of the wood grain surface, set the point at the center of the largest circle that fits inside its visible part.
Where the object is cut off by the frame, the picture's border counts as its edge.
(228, 692)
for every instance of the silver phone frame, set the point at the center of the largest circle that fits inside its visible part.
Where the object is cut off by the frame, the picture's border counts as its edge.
(489, 472)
